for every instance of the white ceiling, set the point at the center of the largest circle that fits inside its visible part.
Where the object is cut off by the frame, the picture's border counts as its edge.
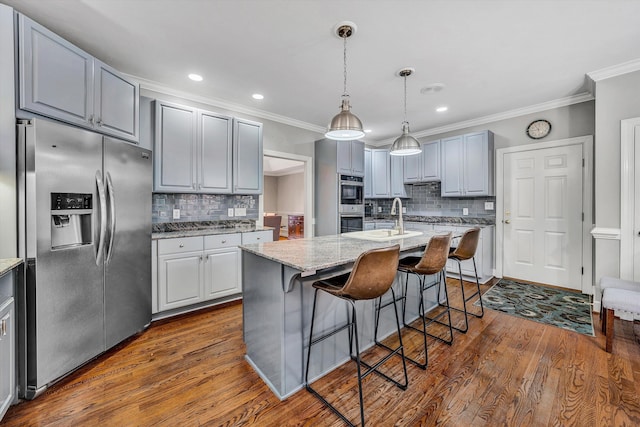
(275, 166)
(493, 56)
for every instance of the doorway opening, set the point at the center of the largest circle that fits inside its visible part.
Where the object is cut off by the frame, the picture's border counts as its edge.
(288, 193)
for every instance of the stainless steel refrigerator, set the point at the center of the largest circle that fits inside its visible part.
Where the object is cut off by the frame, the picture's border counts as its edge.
(85, 233)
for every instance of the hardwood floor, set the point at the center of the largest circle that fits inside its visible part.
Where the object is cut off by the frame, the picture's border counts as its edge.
(504, 371)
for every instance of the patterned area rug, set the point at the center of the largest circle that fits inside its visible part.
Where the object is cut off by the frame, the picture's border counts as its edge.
(568, 310)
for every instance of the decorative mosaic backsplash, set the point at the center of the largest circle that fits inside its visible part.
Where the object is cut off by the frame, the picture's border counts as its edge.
(202, 207)
(426, 200)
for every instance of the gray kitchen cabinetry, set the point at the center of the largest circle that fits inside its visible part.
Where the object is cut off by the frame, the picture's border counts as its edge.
(467, 165)
(198, 151)
(396, 176)
(61, 81)
(257, 237)
(222, 265)
(350, 159)
(180, 272)
(483, 256)
(380, 173)
(367, 174)
(423, 167)
(7, 342)
(247, 157)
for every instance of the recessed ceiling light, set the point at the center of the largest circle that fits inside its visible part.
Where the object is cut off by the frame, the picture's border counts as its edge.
(195, 77)
(257, 96)
(432, 88)
(442, 109)
(367, 130)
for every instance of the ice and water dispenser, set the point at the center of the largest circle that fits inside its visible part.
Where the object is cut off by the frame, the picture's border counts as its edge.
(70, 220)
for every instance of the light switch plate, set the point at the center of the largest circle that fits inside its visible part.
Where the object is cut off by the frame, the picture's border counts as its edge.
(488, 206)
(379, 209)
(176, 214)
(241, 211)
(404, 209)
(230, 212)
(465, 211)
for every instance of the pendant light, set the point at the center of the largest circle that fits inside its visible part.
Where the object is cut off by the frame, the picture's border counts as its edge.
(405, 144)
(345, 126)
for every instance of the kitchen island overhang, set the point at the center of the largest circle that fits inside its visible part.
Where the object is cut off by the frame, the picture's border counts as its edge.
(278, 297)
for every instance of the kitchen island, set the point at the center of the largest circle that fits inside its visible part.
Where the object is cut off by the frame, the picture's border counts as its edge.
(278, 297)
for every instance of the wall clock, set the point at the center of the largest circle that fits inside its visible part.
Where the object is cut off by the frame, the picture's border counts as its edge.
(538, 129)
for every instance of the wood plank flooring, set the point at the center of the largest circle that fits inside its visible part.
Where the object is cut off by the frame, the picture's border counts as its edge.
(191, 371)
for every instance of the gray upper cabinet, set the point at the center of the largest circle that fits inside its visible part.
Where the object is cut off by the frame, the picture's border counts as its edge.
(117, 102)
(60, 80)
(467, 165)
(214, 153)
(380, 173)
(350, 158)
(367, 173)
(175, 148)
(396, 175)
(247, 157)
(423, 167)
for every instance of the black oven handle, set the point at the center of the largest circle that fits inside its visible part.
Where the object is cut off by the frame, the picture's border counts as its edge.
(354, 183)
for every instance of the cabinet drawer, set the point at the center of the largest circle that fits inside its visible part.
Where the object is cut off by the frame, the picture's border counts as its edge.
(181, 244)
(222, 240)
(257, 237)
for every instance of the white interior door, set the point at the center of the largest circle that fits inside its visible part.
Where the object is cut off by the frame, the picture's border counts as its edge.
(543, 216)
(636, 208)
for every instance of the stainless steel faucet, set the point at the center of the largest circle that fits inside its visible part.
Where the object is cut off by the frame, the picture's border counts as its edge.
(393, 212)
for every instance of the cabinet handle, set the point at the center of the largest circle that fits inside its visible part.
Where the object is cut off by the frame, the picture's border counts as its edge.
(99, 122)
(91, 119)
(257, 238)
(182, 245)
(224, 241)
(4, 327)
(193, 185)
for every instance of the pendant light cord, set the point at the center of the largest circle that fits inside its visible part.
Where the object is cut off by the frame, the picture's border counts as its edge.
(405, 99)
(344, 37)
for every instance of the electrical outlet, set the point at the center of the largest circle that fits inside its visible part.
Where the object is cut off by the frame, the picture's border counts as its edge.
(404, 209)
(176, 214)
(465, 211)
(241, 211)
(379, 209)
(230, 212)
(488, 206)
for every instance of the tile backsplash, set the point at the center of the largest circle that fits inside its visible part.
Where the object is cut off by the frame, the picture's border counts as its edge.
(202, 207)
(426, 200)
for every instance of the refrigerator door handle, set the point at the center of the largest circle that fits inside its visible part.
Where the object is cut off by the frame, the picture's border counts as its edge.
(112, 216)
(103, 217)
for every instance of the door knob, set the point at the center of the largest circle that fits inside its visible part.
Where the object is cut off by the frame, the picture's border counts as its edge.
(506, 221)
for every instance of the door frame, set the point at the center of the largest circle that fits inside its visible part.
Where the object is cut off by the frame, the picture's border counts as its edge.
(587, 202)
(309, 221)
(627, 196)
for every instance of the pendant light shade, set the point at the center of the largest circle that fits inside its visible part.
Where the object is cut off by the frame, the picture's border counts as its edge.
(345, 125)
(405, 144)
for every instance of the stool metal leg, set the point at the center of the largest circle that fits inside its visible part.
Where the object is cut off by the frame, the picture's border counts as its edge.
(466, 299)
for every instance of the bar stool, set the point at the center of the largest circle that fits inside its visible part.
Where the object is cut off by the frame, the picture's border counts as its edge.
(372, 276)
(433, 261)
(466, 250)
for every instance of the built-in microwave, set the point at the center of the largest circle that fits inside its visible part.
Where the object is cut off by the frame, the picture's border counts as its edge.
(351, 223)
(351, 194)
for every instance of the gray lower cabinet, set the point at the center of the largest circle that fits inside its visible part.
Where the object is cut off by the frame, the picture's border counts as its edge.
(180, 272)
(59, 80)
(198, 151)
(222, 266)
(467, 165)
(483, 256)
(423, 167)
(7, 343)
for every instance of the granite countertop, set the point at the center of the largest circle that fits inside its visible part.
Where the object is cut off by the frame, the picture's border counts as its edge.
(317, 253)
(6, 264)
(172, 230)
(436, 220)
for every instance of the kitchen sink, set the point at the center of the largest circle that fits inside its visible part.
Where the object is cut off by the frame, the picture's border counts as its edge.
(381, 235)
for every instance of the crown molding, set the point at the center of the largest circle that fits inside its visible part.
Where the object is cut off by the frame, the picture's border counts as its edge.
(615, 70)
(556, 103)
(158, 87)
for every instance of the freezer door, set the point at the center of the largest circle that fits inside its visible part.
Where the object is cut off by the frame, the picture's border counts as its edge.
(129, 180)
(64, 285)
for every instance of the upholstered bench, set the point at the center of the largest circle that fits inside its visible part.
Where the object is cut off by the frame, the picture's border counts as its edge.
(620, 295)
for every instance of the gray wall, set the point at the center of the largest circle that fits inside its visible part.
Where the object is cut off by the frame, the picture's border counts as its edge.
(616, 99)
(291, 193)
(270, 194)
(8, 216)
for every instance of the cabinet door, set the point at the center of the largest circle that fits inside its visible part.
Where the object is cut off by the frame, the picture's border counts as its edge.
(117, 108)
(247, 157)
(343, 157)
(56, 77)
(222, 273)
(452, 164)
(175, 148)
(368, 178)
(257, 237)
(476, 164)
(357, 158)
(7, 356)
(214, 153)
(179, 280)
(413, 167)
(380, 167)
(397, 176)
(430, 158)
